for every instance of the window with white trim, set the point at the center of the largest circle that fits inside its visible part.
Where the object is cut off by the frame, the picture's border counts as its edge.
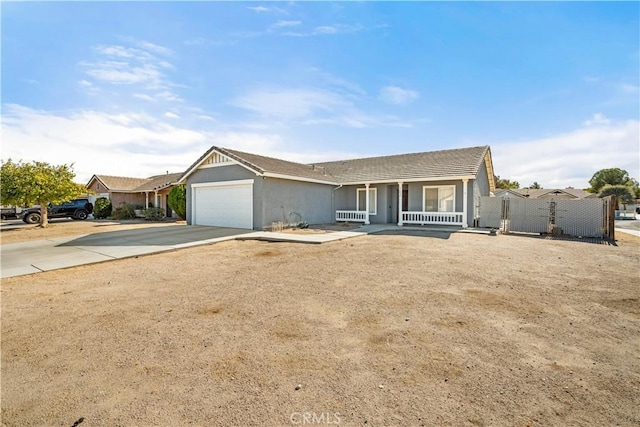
(361, 202)
(439, 198)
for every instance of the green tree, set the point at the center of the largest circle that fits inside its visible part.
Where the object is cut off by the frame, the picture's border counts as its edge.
(38, 183)
(611, 176)
(535, 186)
(635, 188)
(177, 200)
(623, 193)
(102, 208)
(505, 184)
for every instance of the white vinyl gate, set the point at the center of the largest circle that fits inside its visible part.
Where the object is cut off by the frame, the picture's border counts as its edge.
(580, 219)
(528, 215)
(584, 217)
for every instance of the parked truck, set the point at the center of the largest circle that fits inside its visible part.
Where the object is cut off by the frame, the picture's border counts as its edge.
(75, 209)
(11, 212)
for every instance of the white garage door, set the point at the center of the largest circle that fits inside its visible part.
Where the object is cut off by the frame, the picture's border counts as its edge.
(228, 204)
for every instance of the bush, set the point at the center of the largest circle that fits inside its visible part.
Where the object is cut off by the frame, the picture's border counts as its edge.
(153, 214)
(124, 211)
(102, 208)
(177, 200)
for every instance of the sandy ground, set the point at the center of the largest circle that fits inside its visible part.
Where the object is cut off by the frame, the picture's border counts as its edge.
(381, 330)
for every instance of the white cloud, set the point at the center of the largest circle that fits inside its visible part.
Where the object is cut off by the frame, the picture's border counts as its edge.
(289, 103)
(144, 96)
(128, 144)
(597, 119)
(312, 106)
(264, 9)
(123, 65)
(629, 88)
(281, 24)
(122, 73)
(334, 81)
(155, 48)
(397, 95)
(124, 144)
(259, 9)
(168, 95)
(122, 52)
(171, 115)
(327, 30)
(571, 158)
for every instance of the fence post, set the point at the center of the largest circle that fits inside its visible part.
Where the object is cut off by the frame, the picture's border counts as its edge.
(504, 218)
(613, 204)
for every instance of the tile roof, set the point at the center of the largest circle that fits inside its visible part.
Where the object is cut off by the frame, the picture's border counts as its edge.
(432, 164)
(264, 164)
(159, 181)
(124, 183)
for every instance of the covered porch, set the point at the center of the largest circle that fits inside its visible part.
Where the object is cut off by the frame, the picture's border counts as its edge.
(415, 203)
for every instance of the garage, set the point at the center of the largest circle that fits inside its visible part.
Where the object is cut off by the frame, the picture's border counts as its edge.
(223, 204)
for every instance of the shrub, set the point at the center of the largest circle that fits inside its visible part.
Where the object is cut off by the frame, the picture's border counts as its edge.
(153, 214)
(177, 200)
(124, 211)
(102, 208)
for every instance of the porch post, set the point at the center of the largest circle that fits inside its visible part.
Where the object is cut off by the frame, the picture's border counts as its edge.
(366, 197)
(146, 199)
(465, 183)
(155, 199)
(400, 183)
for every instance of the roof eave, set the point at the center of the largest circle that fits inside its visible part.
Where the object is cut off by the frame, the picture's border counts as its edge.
(488, 162)
(97, 178)
(298, 178)
(398, 180)
(205, 156)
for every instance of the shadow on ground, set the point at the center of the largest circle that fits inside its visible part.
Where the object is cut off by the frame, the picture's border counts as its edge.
(592, 240)
(415, 233)
(155, 236)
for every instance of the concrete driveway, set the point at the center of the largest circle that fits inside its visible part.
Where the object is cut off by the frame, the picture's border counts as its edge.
(630, 226)
(43, 255)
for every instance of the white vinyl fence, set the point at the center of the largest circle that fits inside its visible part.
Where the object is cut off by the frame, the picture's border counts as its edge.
(584, 217)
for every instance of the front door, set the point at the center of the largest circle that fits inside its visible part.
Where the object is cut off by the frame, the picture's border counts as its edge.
(392, 197)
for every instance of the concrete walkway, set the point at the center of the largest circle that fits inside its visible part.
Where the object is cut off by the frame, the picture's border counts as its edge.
(18, 259)
(628, 231)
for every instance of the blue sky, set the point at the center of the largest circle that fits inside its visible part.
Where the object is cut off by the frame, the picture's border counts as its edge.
(139, 88)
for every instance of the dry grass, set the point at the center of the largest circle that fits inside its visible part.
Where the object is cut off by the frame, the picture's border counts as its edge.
(384, 330)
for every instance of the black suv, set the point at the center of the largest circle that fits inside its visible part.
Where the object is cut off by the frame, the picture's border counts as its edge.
(75, 209)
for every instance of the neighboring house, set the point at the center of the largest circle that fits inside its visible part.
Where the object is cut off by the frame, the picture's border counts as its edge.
(235, 189)
(143, 192)
(547, 193)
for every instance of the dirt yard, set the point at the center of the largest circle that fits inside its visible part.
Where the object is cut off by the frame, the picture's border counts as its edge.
(381, 330)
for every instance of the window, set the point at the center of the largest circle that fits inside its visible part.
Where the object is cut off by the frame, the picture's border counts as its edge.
(361, 202)
(439, 199)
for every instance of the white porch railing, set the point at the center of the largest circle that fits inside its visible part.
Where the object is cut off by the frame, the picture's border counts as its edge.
(441, 218)
(352, 216)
